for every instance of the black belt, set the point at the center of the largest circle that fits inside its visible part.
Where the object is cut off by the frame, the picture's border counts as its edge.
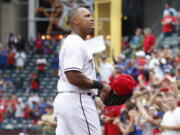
(88, 93)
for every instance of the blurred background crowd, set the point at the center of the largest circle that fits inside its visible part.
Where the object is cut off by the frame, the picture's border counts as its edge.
(29, 70)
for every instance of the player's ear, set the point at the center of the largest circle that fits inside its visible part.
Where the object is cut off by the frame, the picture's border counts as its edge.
(76, 20)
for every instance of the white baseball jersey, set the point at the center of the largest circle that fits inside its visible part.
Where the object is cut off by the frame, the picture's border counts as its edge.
(74, 55)
(75, 111)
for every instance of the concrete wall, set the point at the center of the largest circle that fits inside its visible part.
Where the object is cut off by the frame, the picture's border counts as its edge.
(11, 20)
(8, 20)
(21, 13)
(152, 10)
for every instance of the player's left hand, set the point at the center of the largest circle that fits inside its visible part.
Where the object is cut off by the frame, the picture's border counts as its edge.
(105, 91)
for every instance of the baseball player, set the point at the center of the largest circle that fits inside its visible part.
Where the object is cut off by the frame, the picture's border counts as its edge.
(73, 106)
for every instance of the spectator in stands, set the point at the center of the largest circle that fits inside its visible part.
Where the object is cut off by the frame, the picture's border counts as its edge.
(2, 111)
(47, 46)
(105, 69)
(4, 101)
(3, 107)
(128, 123)
(31, 44)
(140, 60)
(131, 69)
(138, 64)
(27, 112)
(166, 52)
(34, 83)
(48, 122)
(8, 80)
(54, 64)
(13, 100)
(121, 61)
(42, 106)
(168, 22)
(55, 45)
(178, 23)
(168, 8)
(20, 106)
(11, 59)
(125, 44)
(177, 84)
(33, 98)
(143, 82)
(35, 113)
(117, 71)
(167, 66)
(154, 64)
(149, 41)
(41, 66)
(171, 119)
(109, 114)
(19, 84)
(2, 86)
(137, 41)
(20, 58)
(12, 40)
(3, 58)
(20, 45)
(39, 45)
(150, 118)
(11, 108)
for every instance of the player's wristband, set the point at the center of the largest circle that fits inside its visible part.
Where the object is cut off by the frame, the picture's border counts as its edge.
(97, 85)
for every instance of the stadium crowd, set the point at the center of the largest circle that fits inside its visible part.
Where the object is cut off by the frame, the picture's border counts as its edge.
(13, 58)
(153, 108)
(155, 99)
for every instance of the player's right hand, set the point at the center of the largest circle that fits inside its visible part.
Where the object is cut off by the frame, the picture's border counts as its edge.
(105, 91)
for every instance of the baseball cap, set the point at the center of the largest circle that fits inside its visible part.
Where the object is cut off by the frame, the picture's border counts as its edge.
(140, 53)
(122, 56)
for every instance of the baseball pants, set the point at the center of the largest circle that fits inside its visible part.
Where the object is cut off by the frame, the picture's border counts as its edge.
(76, 115)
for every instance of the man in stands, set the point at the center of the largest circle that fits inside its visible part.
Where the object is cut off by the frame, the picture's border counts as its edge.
(171, 119)
(168, 8)
(41, 65)
(168, 23)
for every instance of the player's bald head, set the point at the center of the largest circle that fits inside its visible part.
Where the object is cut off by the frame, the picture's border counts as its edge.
(81, 21)
(73, 13)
